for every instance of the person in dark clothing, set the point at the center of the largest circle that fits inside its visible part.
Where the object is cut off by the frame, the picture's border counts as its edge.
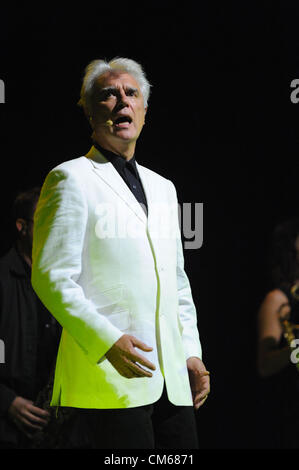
(278, 321)
(29, 333)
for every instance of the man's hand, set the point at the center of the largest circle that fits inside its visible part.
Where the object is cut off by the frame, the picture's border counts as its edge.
(27, 417)
(124, 358)
(199, 381)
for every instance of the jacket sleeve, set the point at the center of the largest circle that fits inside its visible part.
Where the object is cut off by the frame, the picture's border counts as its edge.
(187, 310)
(60, 222)
(7, 396)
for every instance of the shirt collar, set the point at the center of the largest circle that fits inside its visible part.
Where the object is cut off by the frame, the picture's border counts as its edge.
(117, 161)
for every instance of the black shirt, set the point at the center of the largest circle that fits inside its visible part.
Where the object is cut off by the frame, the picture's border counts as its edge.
(30, 334)
(129, 173)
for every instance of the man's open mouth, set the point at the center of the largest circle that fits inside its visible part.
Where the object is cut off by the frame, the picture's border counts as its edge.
(122, 121)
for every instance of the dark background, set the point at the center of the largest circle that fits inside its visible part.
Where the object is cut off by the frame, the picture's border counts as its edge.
(220, 125)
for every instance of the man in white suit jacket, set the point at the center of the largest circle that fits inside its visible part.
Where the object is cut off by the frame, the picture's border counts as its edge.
(108, 264)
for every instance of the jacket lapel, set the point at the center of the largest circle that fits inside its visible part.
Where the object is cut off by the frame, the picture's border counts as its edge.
(106, 171)
(146, 186)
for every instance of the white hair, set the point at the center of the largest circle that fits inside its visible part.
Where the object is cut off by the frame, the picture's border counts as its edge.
(96, 68)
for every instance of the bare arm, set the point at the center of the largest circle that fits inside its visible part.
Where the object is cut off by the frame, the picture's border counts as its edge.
(271, 358)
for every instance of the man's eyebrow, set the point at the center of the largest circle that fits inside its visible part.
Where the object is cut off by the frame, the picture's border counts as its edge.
(132, 88)
(108, 88)
(114, 88)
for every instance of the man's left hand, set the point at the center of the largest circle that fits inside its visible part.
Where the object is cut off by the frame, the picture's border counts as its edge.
(199, 379)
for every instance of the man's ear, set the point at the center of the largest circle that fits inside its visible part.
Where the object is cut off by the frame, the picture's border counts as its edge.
(145, 111)
(21, 225)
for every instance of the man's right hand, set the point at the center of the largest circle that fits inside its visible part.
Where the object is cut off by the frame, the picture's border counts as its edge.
(124, 358)
(27, 417)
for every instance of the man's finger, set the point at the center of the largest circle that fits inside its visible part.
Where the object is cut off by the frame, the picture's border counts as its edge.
(139, 370)
(131, 372)
(140, 344)
(199, 399)
(35, 419)
(134, 357)
(199, 404)
(204, 373)
(38, 411)
(136, 369)
(24, 421)
(199, 395)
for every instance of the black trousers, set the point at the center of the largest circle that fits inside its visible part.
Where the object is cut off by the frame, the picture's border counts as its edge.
(160, 425)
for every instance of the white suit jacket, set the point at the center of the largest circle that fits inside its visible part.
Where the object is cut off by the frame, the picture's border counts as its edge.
(103, 269)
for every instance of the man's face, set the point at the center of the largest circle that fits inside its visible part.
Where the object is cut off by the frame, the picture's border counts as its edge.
(117, 98)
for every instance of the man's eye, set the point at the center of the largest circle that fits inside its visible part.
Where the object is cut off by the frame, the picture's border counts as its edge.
(106, 94)
(131, 93)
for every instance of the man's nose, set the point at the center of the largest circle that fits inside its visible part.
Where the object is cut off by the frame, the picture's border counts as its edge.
(123, 101)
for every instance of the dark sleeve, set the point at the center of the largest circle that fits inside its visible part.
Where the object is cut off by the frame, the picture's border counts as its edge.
(7, 395)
